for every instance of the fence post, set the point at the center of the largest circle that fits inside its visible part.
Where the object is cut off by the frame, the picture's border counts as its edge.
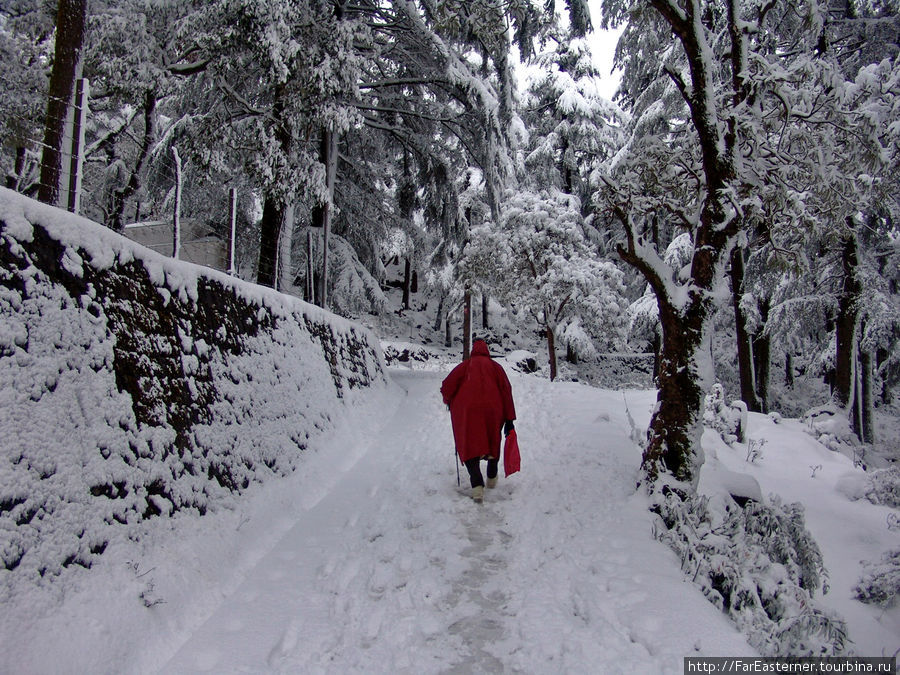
(76, 161)
(176, 229)
(232, 222)
(310, 286)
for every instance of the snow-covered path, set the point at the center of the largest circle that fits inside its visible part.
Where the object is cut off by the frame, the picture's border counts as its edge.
(395, 569)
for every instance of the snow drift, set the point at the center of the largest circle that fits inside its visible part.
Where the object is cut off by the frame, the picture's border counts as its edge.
(134, 386)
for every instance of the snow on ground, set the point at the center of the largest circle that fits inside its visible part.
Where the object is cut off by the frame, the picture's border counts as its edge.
(397, 570)
(371, 559)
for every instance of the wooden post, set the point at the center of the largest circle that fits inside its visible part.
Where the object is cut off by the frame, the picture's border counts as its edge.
(176, 225)
(70, 24)
(232, 230)
(76, 161)
(310, 267)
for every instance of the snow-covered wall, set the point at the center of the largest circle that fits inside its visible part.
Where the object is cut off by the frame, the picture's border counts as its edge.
(133, 385)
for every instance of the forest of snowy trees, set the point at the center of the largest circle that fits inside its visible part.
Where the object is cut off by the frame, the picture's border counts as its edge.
(745, 175)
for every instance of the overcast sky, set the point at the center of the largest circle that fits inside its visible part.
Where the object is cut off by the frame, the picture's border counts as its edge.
(603, 46)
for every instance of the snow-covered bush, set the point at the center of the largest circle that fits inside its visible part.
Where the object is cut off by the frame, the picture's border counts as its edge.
(830, 427)
(759, 564)
(522, 361)
(884, 487)
(729, 420)
(880, 582)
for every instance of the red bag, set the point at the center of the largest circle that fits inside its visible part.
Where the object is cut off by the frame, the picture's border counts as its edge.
(511, 459)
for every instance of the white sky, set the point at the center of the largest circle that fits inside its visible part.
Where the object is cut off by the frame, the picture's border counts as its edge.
(603, 46)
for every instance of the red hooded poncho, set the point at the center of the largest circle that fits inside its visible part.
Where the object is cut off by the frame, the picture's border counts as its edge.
(480, 399)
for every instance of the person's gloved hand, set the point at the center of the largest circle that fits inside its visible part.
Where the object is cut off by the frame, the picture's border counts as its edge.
(507, 427)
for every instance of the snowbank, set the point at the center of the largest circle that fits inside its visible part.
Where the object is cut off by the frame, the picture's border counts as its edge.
(133, 385)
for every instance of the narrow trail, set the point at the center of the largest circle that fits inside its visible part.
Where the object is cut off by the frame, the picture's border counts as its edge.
(395, 569)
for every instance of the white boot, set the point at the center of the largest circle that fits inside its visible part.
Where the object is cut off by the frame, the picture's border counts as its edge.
(478, 494)
(492, 483)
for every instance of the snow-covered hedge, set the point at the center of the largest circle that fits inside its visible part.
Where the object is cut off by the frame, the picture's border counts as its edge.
(757, 563)
(883, 487)
(880, 582)
(133, 385)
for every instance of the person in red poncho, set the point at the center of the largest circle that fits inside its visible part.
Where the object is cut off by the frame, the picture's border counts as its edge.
(479, 396)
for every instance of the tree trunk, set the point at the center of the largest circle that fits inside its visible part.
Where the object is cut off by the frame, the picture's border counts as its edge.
(269, 234)
(407, 269)
(551, 351)
(439, 317)
(121, 195)
(467, 325)
(176, 216)
(283, 276)
(448, 332)
(70, 24)
(885, 395)
(571, 354)
(762, 347)
(788, 369)
(275, 204)
(485, 323)
(657, 345)
(564, 169)
(673, 439)
(846, 325)
(310, 266)
(746, 368)
(330, 171)
(856, 423)
(14, 180)
(867, 407)
(328, 157)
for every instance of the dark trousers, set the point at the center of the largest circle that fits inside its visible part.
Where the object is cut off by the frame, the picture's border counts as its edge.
(473, 466)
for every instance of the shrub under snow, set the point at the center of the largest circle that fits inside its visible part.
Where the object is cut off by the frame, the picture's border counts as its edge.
(880, 582)
(759, 564)
(884, 487)
(729, 420)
